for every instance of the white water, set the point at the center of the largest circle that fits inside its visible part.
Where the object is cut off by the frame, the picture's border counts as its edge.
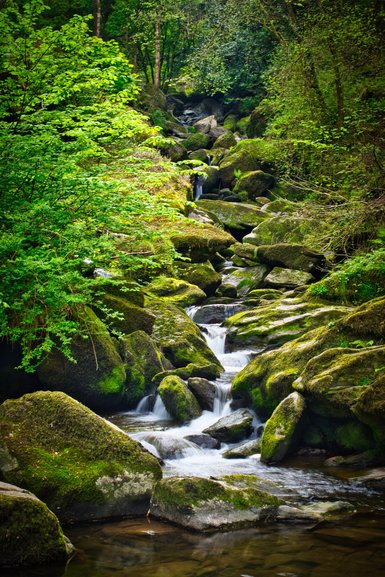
(199, 187)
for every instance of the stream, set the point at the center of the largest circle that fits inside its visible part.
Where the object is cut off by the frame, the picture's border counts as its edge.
(352, 546)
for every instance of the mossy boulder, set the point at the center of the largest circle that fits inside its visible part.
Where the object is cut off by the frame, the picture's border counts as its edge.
(282, 430)
(244, 450)
(234, 216)
(279, 320)
(256, 183)
(172, 290)
(143, 360)
(244, 280)
(232, 428)
(118, 286)
(175, 152)
(197, 241)
(202, 275)
(212, 505)
(248, 156)
(286, 229)
(178, 399)
(197, 141)
(30, 533)
(128, 317)
(257, 124)
(97, 377)
(230, 122)
(293, 256)
(82, 466)
(180, 340)
(226, 140)
(287, 278)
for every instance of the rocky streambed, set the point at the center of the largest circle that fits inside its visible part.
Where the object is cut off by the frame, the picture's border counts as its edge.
(236, 398)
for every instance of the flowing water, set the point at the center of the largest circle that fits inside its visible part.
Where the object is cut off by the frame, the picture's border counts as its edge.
(353, 546)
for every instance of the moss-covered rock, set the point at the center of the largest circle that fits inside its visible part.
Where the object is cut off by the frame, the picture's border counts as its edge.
(227, 140)
(287, 278)
(286, 229)
(230, 122)
(257, 124)
(178, 399)
(129, 317)
(172, 290)
(246, 279)
(212, 505)
(256, 183)
(197, 241)
(175, 152)
(247, 156)
(30, 533)
(97, 377)
(294, 256)
(143, 360)
(83, 467)
(232, 428)
(197, 141)
(279, 320)
(282, 430)
(211, 181)
(202, 275)
(234, 216)
(179, 338)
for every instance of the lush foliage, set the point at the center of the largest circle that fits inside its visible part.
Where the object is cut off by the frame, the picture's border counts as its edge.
(76, 169)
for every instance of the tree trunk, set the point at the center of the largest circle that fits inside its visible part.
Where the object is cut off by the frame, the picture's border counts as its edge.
(98, 17)
(158, 57)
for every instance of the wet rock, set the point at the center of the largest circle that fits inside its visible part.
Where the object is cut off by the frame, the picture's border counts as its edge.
(216, 313)
(83, 467)
(374, 478)
(204, 441)
(201, 154)
(244, 450)
(209, 371)
(98, 377)
(170, 447)
(203, 391)
(217, 132)
(143, 360)
(178, 400)
(30, 533)
(245, 279)
(287, 278)
(255, 183)
(228, 290)
(314, 512)
(292, 256)
(211, 505)
(175, 291)
(232, 428)
(179, 339)
(211, 181)
(283, 429)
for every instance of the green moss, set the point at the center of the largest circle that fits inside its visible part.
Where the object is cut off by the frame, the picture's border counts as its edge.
(234, 216)
(175, 291)
(178, 399)
(61, 449)
(197, 141)
(127, 317)
(112, 383)
(30, 533)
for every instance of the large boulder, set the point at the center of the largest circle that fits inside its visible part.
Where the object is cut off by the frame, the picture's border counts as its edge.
(127, 317)
(226, 140)
(143, 360)
(211, 180)
(205, 125)
(276, 321)
(244, 450)
(204, 391)
(286, 229)
(256, 183)
(232, 428)
(282, 430)
(247, 156)
(178, 399)
(172, 290)
(82, 466)
(181, 341)
(234, 216)
(212, 505)
(287, 278)
(30, 533)
(202, 275)
(197, 141)
(293, 256)
(198, 241)
(97, 377)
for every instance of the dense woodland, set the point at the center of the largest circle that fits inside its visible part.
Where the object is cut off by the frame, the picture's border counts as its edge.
(168, 166)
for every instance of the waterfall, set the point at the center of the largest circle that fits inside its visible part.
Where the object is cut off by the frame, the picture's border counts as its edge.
(199, 186)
